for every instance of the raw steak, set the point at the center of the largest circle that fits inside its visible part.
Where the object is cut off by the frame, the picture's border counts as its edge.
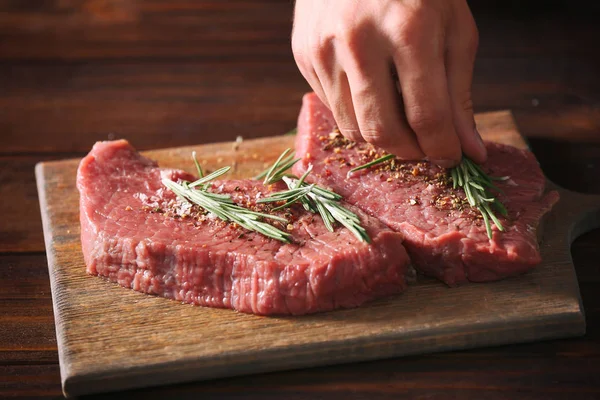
(445, 238)
(138, 234)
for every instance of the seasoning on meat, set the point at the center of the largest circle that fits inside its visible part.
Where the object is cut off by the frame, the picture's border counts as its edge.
(444, 236)
(172, 249)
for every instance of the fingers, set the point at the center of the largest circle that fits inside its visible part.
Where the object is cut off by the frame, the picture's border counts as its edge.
(303, 60)
(377, 103)
(419, 59)
(347, 65)
(317, 61)
(460, 57)
(337, 89)
(311, 77)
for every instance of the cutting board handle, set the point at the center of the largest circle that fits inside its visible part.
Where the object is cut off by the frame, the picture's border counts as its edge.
(580, 212)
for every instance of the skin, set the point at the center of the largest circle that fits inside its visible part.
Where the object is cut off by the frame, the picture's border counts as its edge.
(395, 73)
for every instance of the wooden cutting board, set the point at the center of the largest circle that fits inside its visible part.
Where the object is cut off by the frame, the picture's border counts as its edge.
(112, 338)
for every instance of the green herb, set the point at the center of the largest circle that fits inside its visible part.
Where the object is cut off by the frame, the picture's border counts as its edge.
(223, 206)
(279, 168)
(374, 162)
(313, 198)
(475, 182)
(292, 132)
(198, 167)
(203, 181)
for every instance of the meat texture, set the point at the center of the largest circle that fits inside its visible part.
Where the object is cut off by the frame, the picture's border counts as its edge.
(138, 234)
(445, 238)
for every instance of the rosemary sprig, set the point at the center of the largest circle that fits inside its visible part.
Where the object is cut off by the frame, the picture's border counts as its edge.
(223, 206)
(374, 162)
(476, 184)
(198, 167)
(206, 179)
(312, 197)
(279, 168)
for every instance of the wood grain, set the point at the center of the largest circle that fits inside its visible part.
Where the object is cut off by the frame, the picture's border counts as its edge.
(19, 232)
(159, 341)
(88, 30)
(26, 318)
(186, 72)
(406, 378)
(218, 101)
(60, 67)
(29, 381)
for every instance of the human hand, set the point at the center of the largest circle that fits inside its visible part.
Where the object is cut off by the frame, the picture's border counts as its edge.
(349, 52)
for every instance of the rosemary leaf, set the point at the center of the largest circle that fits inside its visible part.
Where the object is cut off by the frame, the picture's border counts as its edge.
(460, 181)
(270, 170)
(475, 182)
(476, 185)
(474, 169)
(487, 208)
(325, 216)
(327, 194)
(288, 202)
(198, 167)
(303, 177)
(279, 168)
(486, 221)
(210, 177)
(500, 207)
(454, 176)
(379, 160)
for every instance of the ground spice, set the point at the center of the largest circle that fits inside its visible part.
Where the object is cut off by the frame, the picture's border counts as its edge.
(396, 170)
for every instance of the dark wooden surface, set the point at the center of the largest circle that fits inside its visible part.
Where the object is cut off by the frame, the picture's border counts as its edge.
(168, 73)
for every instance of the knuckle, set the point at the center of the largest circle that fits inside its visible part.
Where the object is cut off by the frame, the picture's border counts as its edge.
(321, 48)
(426, 120)
(408, 35)
(450, 150)
(364, 88)
(375, 136)
(354, 38)
(410, 30)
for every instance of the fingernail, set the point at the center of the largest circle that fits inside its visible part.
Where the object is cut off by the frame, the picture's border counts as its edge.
(444, 163)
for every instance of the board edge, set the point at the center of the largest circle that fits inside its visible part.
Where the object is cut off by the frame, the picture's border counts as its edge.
(344, 352)
(40, 178)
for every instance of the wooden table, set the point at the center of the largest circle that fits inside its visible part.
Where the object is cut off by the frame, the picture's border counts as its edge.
(170, 73)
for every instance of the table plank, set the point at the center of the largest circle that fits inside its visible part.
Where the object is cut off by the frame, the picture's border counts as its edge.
(30, 381)
(175, 104)
(20, 220)
(60, 87)
(26, 316)
(248, 30)
(90, 29)
(153, 106)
